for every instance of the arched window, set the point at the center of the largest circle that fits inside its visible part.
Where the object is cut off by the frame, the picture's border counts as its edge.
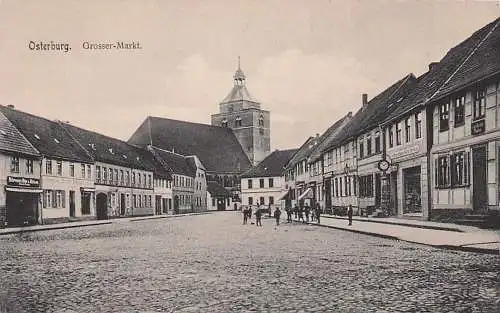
(223, 123)
(261, 121)
(237, 123)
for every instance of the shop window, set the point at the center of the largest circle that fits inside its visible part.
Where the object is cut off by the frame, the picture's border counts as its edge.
(14, 164)
(391, 137)
(261, 183)
(398, 134)
(418, 125)
(377, 142)
(72, 171)
(48, 167)
(366, 186)
(407, 130)
(444, 110)
(29, 166)
(479, 104)
(459, 108)
(59, 167)
(453, 170)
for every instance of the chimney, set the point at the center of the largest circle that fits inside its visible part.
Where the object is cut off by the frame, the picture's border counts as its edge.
(365, 100)
(432, 65)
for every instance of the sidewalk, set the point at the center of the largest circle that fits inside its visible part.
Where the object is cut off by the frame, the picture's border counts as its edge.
(461, 238)
(26, 229)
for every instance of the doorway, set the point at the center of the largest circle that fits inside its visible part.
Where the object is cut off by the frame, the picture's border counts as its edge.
(102, 206)
(71, 203)
(394, 192)
(122, 205)
(176, 204)
(221, 204)
(479, 173)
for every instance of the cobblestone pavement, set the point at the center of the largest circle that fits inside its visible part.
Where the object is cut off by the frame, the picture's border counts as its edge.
(212, 263)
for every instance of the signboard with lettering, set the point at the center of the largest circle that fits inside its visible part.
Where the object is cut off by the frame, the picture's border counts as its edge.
(23, 181)
(407, 150)
(478, 127)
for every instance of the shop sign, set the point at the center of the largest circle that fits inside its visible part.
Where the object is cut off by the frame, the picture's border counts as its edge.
(478, 127)
(23, 181)
(413, 149)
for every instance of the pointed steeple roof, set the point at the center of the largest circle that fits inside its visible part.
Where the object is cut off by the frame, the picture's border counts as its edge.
(239, 91)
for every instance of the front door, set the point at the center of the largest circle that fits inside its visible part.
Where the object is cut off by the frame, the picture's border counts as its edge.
(221, 204)
(71, 203)
(328, 193)
(377, 190)
(122, 204)
(102, 206)
(479, 191)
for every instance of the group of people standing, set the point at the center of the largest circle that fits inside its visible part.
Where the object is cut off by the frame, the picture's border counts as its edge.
(299, 211)
(247, 215)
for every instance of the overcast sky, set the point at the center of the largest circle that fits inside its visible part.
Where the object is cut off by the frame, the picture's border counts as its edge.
(308, 61)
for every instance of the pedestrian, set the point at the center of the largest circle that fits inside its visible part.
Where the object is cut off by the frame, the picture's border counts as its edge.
(296, 211)
(269, 208)
(307, 211)
(349, 214)
(318, 213)
(301, 214)
(250, 213)
(289, 215)
(277, 214)
(313, 213)
(245, 216)
(258, 215)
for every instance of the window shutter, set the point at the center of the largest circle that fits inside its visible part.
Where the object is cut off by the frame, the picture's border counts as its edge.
(436, 172)
(467, 168)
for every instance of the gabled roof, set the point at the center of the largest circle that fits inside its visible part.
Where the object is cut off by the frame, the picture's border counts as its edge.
(179, 164)
(375, 110)
(114, 151)
(11, 139)
(216, 190)
(303, 152)
(484, 62)
(272, 166)
(429, 83)
(47, 136)
(217, 147)
(328, 136)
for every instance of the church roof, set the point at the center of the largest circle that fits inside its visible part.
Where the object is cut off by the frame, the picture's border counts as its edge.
(239, 93)
(217, 147)
(272, 165)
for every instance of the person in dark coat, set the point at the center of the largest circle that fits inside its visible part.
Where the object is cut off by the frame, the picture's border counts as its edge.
(349, 214)
(289, 215)
(301, 214)
(277, 214)
(307, 210)
(258, 216)
(296, 211)
(318, 213)
(245, 216)
(250, 213)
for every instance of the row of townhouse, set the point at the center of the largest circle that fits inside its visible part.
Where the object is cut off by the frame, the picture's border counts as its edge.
(51, 171)
(426, 147)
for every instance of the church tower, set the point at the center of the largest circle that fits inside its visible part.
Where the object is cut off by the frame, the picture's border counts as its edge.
(242, 113)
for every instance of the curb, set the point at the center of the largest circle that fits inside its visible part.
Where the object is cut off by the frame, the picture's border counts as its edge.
(140, 219)
(444, 247)
(400, 224)
(21, 231)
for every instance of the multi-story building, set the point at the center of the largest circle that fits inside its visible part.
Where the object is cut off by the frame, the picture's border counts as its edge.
(242, 113)
(264, 184)
(66, 169)
(19, 177)
(464, 119)
(189, 185)
(124, 174)
(316, 163)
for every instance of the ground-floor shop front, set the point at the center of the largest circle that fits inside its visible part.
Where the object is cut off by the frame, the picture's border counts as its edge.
(20, 202)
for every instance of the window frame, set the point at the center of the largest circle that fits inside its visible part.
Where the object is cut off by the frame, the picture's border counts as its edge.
(458, 110)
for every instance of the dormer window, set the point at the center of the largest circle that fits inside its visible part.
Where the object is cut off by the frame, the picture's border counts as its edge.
(111, 150)
(56, 141)
(37, 137)
(444, 110)
(223, 123)
(237, 123)
(91, 145)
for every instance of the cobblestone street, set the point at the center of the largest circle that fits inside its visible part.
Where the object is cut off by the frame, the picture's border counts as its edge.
(213, 263)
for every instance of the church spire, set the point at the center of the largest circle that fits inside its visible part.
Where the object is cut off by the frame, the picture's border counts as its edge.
(239, 76)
